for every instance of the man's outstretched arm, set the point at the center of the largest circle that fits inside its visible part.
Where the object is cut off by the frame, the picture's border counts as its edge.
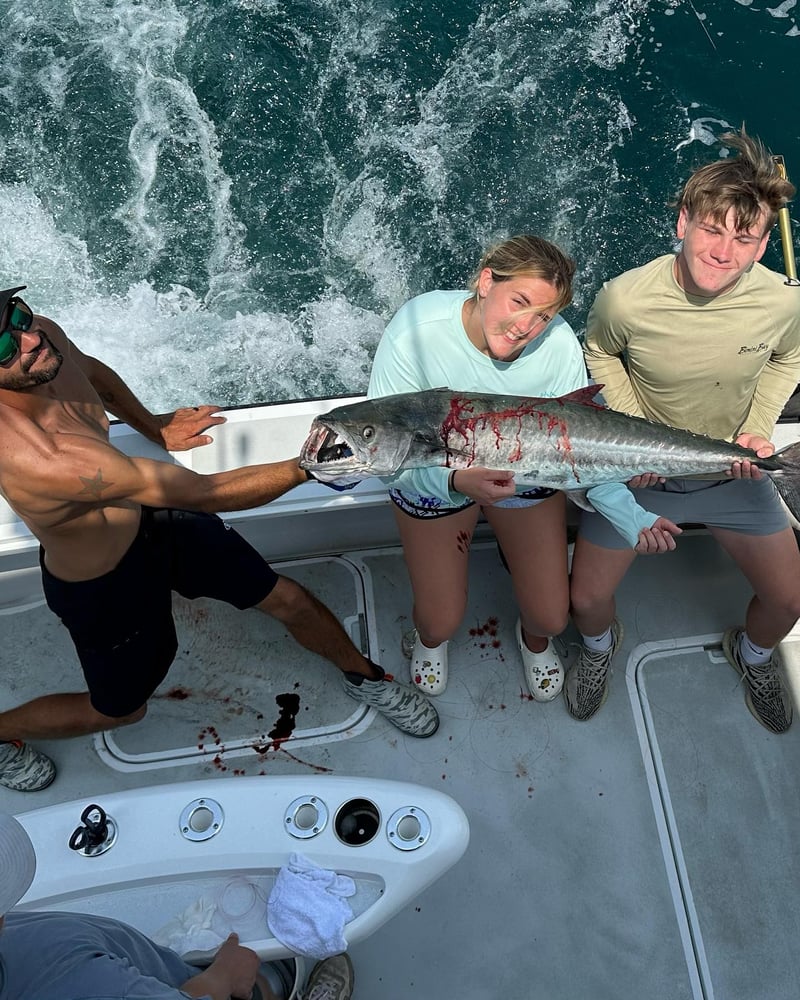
(88, 470)
(178, 430)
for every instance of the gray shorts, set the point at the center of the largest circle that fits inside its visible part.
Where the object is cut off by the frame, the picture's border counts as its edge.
(751, 506)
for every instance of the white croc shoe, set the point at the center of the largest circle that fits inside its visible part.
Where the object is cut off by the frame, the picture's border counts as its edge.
(428, 668)
(544, 672)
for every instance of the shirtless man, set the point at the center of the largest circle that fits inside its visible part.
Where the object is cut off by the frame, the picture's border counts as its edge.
(118, 534)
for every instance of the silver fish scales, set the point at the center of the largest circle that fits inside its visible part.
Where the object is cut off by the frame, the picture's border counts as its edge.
(567, 442)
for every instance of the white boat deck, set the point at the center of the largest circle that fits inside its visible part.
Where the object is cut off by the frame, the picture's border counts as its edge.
(649, 853)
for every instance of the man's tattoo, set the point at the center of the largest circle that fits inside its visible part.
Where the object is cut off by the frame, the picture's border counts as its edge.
(94, 486)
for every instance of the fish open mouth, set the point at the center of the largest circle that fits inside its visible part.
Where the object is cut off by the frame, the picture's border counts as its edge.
(323, 447)
(333, 448)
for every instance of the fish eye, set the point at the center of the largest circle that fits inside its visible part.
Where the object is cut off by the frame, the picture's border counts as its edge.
(368, 433)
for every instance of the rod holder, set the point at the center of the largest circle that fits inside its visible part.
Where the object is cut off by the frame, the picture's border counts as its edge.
(785, 226)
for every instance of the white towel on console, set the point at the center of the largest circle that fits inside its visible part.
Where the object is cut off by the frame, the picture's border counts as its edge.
(307, 910)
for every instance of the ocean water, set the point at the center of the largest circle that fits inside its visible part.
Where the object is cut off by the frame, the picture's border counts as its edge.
(226, 200)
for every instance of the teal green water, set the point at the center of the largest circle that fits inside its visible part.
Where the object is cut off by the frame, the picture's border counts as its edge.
(227, 199)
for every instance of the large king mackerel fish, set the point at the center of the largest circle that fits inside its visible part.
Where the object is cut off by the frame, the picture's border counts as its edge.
(567, 442)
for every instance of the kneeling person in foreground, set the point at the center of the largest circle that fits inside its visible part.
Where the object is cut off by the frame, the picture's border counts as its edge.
(92, 956)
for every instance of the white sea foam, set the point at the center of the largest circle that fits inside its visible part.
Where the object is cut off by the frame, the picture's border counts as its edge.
(139, 41)
(354, 224)
(497, 70)
(613, 29)
(52, 78)
(33, 250)
(782, 10)
(704, 130)
(412, 153)
(171, 346)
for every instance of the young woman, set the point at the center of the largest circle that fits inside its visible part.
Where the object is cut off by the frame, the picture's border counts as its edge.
(503, 335)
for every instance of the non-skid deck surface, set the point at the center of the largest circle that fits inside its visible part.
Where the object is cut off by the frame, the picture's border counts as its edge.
(239, 683)
(730, 794)
(649, 853)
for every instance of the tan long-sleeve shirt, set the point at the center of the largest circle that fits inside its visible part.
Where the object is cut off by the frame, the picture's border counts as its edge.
(719, 366)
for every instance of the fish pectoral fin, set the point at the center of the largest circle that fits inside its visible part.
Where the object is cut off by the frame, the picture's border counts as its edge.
(432, 436)
(579, 498)
(530, 478)
(451, 453)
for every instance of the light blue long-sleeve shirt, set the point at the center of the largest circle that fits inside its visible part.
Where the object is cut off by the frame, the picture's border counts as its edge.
(425, 346)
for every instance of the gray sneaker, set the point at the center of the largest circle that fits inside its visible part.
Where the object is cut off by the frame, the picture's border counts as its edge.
(403, 706)
(330, 979)
(23, 768)
(586, 686)
(765, 695)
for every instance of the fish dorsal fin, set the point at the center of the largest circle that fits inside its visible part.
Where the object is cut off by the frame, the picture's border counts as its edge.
(584, 396)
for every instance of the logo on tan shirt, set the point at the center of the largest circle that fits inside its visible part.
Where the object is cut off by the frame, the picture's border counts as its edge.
(755, 349)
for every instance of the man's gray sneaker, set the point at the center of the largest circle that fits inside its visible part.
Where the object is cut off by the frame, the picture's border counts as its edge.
(403, 706)
(765, 695)
(23, 768)
(586, 686)
(330, 979)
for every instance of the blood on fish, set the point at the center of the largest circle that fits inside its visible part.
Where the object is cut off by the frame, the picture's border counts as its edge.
(464, 423)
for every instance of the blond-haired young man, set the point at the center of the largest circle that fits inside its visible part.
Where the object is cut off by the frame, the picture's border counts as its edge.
(707, 340)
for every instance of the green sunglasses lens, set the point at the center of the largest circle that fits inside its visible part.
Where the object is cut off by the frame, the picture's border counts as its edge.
(8, 347)
(21, 317)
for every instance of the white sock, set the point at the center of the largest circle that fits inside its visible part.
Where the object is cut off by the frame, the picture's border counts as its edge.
(755, 655)
(599, 643)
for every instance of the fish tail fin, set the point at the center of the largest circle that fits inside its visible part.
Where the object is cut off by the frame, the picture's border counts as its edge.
(788, 482)
(789, 454)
